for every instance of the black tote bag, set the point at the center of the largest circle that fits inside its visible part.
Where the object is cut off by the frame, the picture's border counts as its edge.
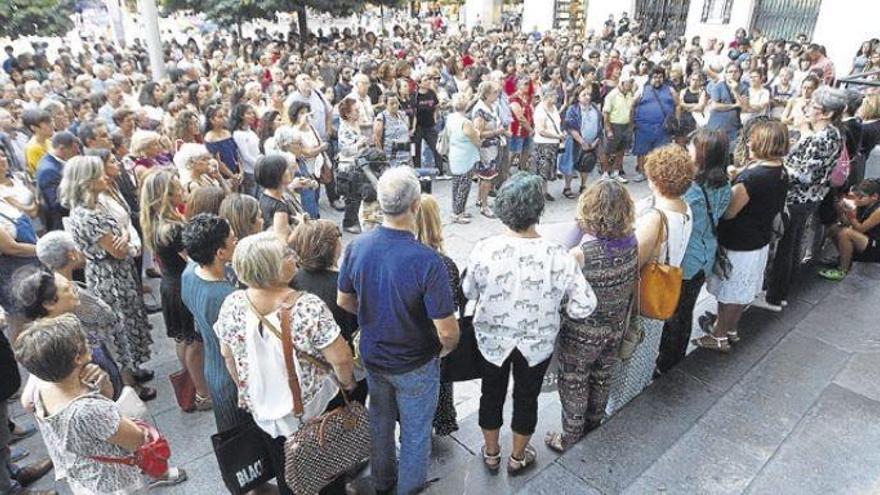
(241, 454)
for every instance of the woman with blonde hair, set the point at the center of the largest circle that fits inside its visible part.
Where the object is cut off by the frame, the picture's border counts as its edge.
(492, 136)
(249, 328)
(110, 271)
(429, 231)
(146, 148)
(587, 349)
(161, 194)
(243, 214)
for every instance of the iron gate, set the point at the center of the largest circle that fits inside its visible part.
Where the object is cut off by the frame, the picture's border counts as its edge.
(668, 15)
(785, 18)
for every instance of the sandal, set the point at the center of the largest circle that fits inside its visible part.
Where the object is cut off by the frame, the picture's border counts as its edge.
(554, 442)
(832, 274)
(712, 343)
(733, 337)
(486, 212)
(203, 403)
(145, 394)
(516, 466)
(492, 461)
(568, 194)
(173, 476)
(460, 219)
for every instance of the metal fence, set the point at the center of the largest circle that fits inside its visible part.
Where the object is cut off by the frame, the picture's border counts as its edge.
(785, 18)
(668, 15)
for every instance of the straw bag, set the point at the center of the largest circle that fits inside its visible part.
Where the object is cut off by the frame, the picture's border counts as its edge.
(660, 285)
(324, 447)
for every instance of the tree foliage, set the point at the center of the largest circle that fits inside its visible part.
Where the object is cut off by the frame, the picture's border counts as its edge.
(41, 17)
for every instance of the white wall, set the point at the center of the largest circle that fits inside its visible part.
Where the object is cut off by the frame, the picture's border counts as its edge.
(538, 13)
(488, 12)
(740, 17)
(598, 11)
(842, 26)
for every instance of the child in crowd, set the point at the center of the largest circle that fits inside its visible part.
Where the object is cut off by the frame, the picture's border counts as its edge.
(858, 233)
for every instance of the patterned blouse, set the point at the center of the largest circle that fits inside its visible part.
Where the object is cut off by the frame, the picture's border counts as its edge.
(312, 327)
(520, 286)
(810, 163)
(79, 431)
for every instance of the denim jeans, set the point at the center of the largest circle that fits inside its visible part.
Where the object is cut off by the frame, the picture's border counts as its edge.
(413, 397)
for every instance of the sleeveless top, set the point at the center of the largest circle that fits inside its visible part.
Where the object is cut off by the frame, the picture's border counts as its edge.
(462, 152)
(864, 214)
(654, 105)
(227, 151)
(610, 267)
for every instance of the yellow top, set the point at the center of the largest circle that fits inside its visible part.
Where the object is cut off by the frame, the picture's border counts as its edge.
(33, 152)
(618, 106)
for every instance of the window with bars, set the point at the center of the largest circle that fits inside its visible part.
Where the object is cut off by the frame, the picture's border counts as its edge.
(716, 11)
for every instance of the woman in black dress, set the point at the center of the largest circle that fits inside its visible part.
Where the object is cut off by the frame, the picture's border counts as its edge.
(693, 100)
(162, 223)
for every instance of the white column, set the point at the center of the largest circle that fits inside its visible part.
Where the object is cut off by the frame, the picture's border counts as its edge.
(538, 14)
(150, 20)
(116, 21)
(486, 13)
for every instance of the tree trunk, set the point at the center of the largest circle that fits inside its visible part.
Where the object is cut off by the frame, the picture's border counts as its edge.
(302, 24)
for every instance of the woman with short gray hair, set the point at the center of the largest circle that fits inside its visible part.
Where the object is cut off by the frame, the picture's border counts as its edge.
(464, 153)
(519, 281)
(249, 328)
(197, 168)
(110, 270)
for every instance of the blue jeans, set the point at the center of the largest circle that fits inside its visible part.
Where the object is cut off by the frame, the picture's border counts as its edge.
(413, 397)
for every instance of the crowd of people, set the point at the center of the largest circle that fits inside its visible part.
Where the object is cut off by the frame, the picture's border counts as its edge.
(211, 179)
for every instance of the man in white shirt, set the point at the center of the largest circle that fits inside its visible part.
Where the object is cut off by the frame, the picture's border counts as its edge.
(321, 113)
(366, 114)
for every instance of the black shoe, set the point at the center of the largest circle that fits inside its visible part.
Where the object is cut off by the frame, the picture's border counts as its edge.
(152, 307)
(142, 375)
(548, 197)
(146, 394)
(152, 273)
(33, 471)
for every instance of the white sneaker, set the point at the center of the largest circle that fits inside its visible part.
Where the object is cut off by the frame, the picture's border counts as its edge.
(762, 303)
(604, 176)
(619, 178)
(639, 177)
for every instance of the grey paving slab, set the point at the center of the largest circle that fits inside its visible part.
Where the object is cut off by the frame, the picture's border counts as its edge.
(809, 287)
(846, 322)
(702, 461)
(834, 450)
(203, 478)
(190, 434)
(798, 368)
(557, 480)
(861, 375)
(611, 457)
(760, 331)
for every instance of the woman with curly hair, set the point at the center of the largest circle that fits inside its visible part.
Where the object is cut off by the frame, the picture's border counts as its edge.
(663, 230)
(587, 349)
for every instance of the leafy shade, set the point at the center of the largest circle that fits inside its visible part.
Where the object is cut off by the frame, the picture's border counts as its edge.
(40, 17)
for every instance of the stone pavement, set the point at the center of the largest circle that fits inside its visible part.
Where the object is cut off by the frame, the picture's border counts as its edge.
(792, 410)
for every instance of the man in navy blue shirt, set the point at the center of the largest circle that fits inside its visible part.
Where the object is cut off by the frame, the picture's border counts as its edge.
(401, 292)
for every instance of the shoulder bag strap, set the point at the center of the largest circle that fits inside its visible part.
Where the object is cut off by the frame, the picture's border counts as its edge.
(659, 103)
(664, 229)
(709, 212)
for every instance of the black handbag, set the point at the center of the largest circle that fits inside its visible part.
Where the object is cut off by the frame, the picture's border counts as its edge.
(243, 459)
(465, 362)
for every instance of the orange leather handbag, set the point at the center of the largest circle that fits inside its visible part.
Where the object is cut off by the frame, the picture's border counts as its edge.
(660, 284)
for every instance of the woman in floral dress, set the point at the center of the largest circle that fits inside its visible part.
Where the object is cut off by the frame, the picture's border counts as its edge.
(492, 136)
(106, 245)
(391, 132)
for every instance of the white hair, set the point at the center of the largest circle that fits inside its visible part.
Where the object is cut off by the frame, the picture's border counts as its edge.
(257, 259)
(54, 248)
(187, 153)
(398, 188)
(284, 137)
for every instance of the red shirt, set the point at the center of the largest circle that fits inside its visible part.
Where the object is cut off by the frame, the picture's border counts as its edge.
(515, 128)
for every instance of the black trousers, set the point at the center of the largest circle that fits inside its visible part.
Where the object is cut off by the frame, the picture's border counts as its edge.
(787, 259)
(527, 383)
(677, 330)
(430, 135)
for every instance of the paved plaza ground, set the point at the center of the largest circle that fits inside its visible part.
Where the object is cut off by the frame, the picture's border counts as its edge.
(793, 409)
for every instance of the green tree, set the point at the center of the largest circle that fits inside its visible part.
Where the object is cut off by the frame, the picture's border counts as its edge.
(41, 17)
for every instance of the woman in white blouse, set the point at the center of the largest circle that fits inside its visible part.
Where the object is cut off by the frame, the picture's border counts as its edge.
(242, 121)
(758, 99)
(548, 135)
(519, 281)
